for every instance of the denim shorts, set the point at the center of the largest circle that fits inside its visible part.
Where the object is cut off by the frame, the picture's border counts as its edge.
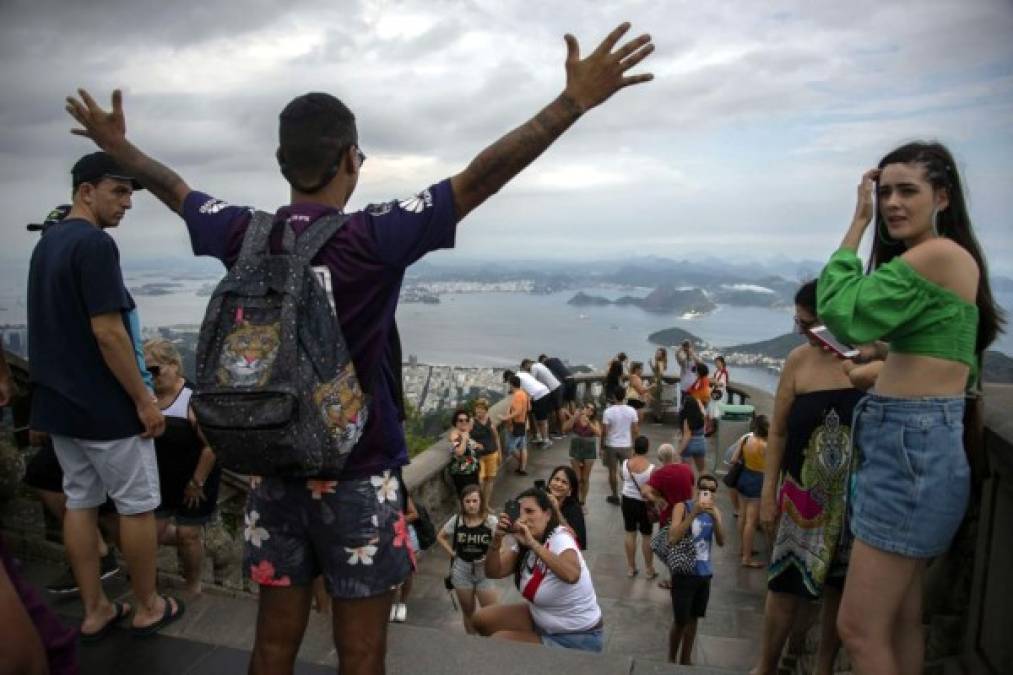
(697, 446)
(469, 576)
(750, 484)
(586, 641)
(352, 532)
(912, 483)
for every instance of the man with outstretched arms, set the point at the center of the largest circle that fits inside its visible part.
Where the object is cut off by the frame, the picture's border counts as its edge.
(362, 553)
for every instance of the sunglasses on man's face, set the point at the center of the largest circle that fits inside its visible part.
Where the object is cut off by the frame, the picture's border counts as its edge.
(461, 419)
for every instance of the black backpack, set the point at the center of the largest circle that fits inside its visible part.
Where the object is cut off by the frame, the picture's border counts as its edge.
(277, 393)
(424, 528)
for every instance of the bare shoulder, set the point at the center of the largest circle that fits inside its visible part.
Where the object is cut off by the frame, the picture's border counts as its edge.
(946, 263)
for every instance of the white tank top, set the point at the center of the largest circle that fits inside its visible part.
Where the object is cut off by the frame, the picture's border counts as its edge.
(181, 406)
(633, 481)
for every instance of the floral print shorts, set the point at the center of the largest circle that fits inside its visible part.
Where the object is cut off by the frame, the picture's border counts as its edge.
(352, 532)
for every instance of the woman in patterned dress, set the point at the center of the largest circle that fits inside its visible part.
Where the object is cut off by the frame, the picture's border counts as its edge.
(810, 443)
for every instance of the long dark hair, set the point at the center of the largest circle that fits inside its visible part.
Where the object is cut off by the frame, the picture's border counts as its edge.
(545, 504)
(571, 476)
(953, 223)
(691, 412)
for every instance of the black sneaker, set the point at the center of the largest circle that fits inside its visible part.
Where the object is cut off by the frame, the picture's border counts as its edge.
(109, 566)
(64, 585)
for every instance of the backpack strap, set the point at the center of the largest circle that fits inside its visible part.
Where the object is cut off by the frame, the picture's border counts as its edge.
(257, 237)
(316, 235)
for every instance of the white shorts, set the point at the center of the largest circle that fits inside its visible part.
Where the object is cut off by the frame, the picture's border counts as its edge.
(125, 469)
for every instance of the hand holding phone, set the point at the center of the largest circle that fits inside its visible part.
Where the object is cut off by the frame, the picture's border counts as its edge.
(512, 509)
(540, 484)
(706, 499)
(827, 339)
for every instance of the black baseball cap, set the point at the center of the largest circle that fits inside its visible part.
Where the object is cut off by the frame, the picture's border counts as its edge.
(96, 166)
(52, 218)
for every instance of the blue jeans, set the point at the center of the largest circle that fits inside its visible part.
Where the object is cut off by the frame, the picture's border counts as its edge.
(912, 485)
(586, 641)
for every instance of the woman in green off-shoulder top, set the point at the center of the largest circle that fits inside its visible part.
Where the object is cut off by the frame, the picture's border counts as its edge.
(926, 302)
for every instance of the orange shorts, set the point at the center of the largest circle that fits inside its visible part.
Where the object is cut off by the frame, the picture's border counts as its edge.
(488, 466)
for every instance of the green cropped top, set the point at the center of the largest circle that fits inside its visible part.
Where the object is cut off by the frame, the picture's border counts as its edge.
(898, 305)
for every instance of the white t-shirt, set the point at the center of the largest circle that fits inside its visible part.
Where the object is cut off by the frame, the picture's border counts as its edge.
(545, 376)
(632, 482)
(559, 607)
(618, 420)
(531, 386)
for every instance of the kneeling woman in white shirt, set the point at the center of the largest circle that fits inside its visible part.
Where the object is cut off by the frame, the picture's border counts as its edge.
(549, 571)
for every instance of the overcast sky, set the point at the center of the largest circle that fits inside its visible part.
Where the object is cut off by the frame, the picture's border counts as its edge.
(749, 142)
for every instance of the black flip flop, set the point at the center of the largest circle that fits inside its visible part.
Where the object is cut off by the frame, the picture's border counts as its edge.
(121, 613)
(167, 618)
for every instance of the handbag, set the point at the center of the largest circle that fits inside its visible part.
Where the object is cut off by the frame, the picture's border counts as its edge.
(680, 557)
(717, 394)
(731, 479)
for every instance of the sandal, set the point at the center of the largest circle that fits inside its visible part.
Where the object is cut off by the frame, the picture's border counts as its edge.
(651, 574)
(754, 564)
(122, 609)
(167, 617)
(632, 573)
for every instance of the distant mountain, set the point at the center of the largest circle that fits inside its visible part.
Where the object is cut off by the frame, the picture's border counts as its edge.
(998, 368)
(662, 300)
(674, 336)
(776, 348)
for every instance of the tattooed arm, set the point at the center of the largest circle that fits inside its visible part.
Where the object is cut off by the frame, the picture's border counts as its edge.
(109, 131)
(589, 82)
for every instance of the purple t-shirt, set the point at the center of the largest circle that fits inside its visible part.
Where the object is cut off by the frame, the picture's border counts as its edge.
(366, 259)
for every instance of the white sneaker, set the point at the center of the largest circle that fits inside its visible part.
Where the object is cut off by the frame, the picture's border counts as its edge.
(401, 613)
(393, 612)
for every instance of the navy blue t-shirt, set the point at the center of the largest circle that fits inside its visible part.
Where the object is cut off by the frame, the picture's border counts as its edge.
(75, 275)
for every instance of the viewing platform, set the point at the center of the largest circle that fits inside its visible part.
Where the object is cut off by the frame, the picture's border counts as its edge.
(217, 632)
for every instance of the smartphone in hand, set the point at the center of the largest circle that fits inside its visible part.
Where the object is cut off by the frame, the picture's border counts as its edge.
(512, 508)
(706, 498)
(827, 339)
(540, 484)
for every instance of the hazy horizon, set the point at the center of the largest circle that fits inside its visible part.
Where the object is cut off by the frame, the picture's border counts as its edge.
(751, 139)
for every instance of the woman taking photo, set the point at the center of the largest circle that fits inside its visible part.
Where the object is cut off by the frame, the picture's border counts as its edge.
(464, 465)
(692, 445)
(926, 294)
(466, 538)
(564, 485)
(583, 444)
(809, 443)
(549, 571)
(188, 475)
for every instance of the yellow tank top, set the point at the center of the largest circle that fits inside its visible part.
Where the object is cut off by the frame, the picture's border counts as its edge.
(753, 452)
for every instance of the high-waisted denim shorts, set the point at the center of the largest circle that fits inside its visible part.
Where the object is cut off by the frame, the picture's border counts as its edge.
(911, 487)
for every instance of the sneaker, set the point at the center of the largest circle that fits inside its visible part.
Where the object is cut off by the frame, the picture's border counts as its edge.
(556, 437)
(401, 613)
(109, 566)
(393, 612)
(64, 585)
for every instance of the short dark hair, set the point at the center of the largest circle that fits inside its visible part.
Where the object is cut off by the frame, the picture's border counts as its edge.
(542, 357)
(525, 364)
(641, 445)
(618, 394)
(702, 370)
(459, 412)
(707, 476)
(806, 296)
(507, 374)
(515, 381)
(313, 131)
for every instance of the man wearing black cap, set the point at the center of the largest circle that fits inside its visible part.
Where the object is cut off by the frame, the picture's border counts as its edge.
(89, 396)
(362, 554)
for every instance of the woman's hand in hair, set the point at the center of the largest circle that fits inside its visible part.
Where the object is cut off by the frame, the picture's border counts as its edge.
(864, 209)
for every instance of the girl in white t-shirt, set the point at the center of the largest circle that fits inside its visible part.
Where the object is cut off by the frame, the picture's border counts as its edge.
(543, 557)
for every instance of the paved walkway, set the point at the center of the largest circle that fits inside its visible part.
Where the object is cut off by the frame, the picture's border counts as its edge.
(217, 632)
(637, 613)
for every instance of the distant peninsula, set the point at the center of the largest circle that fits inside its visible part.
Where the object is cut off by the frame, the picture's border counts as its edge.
(662, 300)
(670, 337)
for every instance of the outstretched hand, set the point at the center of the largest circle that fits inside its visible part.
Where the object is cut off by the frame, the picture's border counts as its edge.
(103, 127)
(592, 80)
